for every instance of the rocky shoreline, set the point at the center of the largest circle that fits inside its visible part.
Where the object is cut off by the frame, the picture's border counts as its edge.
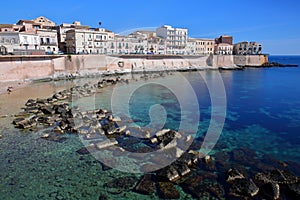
(239, 173)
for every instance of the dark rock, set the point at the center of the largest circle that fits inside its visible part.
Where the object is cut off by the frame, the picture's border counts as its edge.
(146, 185)
(188, 158)
(217, 191)
(234, 174)
(16, 121)
(168, 173)
(122, 184)
(41, 101)
(243, 188)
(103, 197)
(166, 138)
(166, 190)
(182, 168)
(270, 190)
(294, 190)
(83, 151)
(277, 176)
(30, 102)
(55, 138)
(26, 124)
(244, 156)
(47, 110)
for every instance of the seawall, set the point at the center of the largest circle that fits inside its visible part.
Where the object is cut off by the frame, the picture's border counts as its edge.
(22, 68)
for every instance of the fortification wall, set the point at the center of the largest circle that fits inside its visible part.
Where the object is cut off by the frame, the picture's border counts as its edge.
(17, 68)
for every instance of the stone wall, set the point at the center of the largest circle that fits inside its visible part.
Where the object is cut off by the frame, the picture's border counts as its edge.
(250, 60)
(16, 68)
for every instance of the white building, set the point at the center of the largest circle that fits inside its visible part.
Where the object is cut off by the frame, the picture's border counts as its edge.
(19, 42)
(223, 49)
(176, 39)
(48, 40)
(191, 46)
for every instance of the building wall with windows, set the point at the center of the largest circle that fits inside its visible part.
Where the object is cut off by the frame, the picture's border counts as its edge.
(205, 46)
(88, 41)
(223, 49)
(245, 48)
(48, 40)
(16, 42)
(176, 39)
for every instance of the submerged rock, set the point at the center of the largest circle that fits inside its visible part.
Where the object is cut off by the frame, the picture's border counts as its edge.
(54, 138)
(119, 185)
(146, 185)
(167, 190)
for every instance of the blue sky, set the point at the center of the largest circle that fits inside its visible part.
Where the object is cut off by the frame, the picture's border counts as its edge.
(274, 23)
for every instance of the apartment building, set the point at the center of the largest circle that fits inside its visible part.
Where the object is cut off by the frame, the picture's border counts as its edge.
(89, 41)
(62, 33)
(176, 39)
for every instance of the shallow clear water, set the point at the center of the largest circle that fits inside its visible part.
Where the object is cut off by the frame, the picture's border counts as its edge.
(262, 114)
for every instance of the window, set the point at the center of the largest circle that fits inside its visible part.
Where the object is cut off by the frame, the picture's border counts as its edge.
(48, 40)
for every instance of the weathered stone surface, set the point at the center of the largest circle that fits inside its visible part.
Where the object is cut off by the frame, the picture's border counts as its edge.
(146, 185)
(166, 190)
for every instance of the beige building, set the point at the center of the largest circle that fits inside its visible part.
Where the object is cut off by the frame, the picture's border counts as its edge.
(205, 46)
(176, 39)
(62, 33)
(89, 41)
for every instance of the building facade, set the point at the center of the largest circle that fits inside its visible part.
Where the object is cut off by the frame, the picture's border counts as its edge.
(48, 40)
(89, 41)
(176, 39)
(20, 42)
(245, 48)
(223, 49)
(205, 46)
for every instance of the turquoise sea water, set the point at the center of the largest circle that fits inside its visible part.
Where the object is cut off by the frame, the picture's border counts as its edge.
(262, 116)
